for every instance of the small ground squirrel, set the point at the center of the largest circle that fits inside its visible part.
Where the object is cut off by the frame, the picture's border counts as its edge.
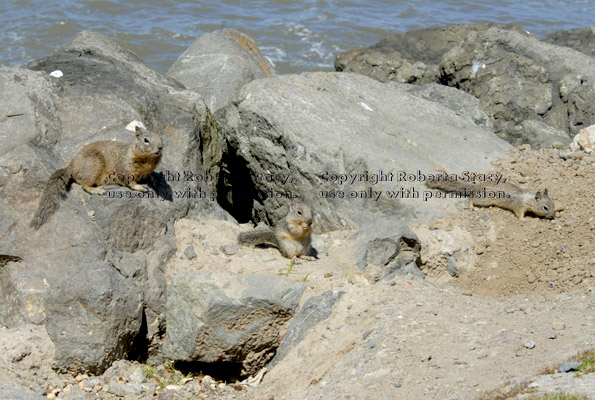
(292, 235)
(515, 199)
(102, 163)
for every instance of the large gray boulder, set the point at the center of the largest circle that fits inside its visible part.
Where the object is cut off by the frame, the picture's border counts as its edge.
(94, 272)
(464, 104)
(410, 57)
(519, 78)
(213, 316)
(536, 133)
(218, 64)
(579, 39)
(300, 135)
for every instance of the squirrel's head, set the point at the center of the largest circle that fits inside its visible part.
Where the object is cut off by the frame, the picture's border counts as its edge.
(545, 205)
(148, 142)
(301, 211)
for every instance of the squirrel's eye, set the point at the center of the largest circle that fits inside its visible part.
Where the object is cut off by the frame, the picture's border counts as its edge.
(299, 212)
(546, 208)
(146, 140)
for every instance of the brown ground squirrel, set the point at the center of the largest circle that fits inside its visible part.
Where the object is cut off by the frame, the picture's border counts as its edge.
(514, 198)
(101, 163)
(292, 235)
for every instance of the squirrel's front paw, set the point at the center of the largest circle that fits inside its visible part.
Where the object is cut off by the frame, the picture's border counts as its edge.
(136, 186)
(307, 258)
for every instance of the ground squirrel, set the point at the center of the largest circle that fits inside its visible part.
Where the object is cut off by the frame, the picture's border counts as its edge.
(101, 163)
(292, 235)
(503, 195)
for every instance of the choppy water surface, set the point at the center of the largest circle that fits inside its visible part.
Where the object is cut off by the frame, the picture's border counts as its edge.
(296, 36)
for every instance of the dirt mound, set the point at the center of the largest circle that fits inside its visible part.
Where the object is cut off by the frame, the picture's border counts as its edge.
(533, 255)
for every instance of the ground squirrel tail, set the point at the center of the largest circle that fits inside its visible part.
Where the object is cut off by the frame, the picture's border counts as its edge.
(258, 236)
(55, 191)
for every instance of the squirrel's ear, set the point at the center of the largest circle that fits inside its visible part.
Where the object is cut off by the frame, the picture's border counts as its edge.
(138, 131)
(545, 192)
(538, 195)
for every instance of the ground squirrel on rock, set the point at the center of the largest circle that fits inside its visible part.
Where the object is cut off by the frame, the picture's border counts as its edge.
(292, 235)
(503, 195)
(102, 163)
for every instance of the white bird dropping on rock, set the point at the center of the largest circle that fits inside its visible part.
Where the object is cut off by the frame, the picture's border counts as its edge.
(133, 124)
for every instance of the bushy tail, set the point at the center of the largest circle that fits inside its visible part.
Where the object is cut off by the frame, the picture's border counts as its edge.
(55, 191)
(450, 185)
(258, 236)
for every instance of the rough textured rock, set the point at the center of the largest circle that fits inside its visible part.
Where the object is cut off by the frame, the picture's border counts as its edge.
(114, 304)
(217, 317)
(539, 135)
(297, 135)
(388, 243)
(315, 309)
(519, 78)
(411, 57)
(93, 272)
(464, 104)
(579, 39)
(217, 64)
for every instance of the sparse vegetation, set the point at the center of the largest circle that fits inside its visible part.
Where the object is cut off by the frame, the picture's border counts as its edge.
(287, 270)
(165, 374)
(506, 392)
(559, 397)
(587, 358)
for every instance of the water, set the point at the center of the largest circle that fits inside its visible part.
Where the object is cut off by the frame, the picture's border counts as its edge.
(295, 36)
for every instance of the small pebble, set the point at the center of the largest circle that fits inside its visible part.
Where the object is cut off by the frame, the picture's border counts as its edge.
(530, 344)
(190, 253)
(569, 366)
(558, 326)
(451, 267)
(230, 250)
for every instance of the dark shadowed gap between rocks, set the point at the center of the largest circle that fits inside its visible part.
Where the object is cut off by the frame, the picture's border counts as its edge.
(236, 191)
(139, 349)
(220, 371)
